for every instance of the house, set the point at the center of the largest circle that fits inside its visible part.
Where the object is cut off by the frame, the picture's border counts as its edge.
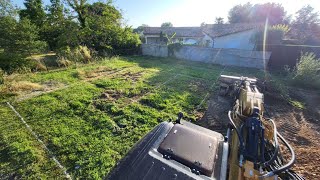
(236, 35)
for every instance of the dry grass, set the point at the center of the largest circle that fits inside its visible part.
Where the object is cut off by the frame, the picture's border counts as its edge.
(21, 86)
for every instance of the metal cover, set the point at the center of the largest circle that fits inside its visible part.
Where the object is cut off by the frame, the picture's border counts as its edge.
(192, 148)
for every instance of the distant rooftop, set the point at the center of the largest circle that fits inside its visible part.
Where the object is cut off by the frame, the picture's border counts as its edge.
(180, 31)
(213, 30)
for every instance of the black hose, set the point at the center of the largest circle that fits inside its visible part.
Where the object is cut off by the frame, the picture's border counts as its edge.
(276, 150)
(293, 156)
(237, 131)
(278, 170)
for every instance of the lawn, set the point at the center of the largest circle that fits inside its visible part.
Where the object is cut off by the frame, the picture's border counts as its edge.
(90, 116)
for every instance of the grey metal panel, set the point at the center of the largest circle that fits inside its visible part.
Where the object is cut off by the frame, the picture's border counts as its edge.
(145, 162)
(191, 147)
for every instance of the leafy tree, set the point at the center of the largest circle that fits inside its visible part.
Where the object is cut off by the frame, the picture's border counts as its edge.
(219, 20)
(257, 13)
(34, 12)
(273, 11)
(18, 40)
(53, 27)
(240, 13)
(167, 24)
(79, 7)
(7, 9)
(103, 30)
(22, 38)
(139, 29)
(274, 34)
(307, 23)
(202, 24)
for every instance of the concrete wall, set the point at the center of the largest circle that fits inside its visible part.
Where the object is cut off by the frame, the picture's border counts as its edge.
(155, 50)
(228, 57)
(239, 40)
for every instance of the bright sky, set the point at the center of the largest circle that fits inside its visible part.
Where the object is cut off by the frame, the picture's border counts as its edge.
(187, 12)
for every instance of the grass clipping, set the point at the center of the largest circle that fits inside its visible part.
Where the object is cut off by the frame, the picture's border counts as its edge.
(21, 86)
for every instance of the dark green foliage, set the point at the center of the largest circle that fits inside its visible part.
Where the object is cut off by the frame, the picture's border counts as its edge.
(274, 35)
(258, 13)
(174, 47)
(219, 20)
(34, 12)
(55, 23)
(103, 32)
(18, 40)
(240, 13)
(306, 26)
(167, 24)
(307, 71)
(7, 9)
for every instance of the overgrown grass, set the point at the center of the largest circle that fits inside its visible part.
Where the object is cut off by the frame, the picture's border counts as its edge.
(108, 106)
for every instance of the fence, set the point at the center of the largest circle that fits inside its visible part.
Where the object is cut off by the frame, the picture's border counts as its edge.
(229, 57)
(287, 55)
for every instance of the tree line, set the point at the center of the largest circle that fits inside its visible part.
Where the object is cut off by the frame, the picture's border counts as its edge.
(61, 26)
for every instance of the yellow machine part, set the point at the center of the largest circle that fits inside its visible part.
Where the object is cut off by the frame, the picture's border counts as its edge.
(249, 99)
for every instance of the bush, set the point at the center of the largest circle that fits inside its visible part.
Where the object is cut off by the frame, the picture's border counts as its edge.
(11, 63)
(62, 61)
(307, 71)
(1, 76)
(274, 35)
(78, 54)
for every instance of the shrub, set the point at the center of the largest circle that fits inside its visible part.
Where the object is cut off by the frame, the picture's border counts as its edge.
(307, 71)
(62, 61)
(1, 76)
(11, 63)
(274, 34)
(78, 54)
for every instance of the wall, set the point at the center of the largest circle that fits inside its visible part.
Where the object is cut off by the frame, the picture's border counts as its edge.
(239, 40)
(154, 50)
(287, 55)
(229, 57)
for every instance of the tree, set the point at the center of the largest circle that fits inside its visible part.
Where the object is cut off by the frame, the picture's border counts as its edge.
(54, 24)
(167, 24)
(103, 30)
(273, 11)
(7, 9)
(79, 7)
(18, 41)
(139, 29)
(306, 24)
(258, 13)
(203, 24)
(240, 13)
(34, 12)
(219, 20)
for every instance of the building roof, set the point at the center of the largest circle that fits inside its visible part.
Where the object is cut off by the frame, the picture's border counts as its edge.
(213, 30)
(180, 31)
(217, 30)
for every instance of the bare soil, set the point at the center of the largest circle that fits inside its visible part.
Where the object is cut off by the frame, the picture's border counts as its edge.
(300, 127)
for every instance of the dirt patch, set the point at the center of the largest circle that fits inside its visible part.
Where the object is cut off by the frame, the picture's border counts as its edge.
(134, 77)
(300, 127)
(46, 87)
(216, 118)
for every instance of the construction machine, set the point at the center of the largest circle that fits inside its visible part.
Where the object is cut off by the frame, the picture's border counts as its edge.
(250, 148)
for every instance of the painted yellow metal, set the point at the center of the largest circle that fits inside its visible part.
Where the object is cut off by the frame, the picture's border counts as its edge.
(249, 98)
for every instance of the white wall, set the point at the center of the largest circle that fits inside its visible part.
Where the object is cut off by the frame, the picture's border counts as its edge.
(239, 40)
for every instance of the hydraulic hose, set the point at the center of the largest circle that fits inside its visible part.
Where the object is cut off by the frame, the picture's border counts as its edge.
(237, 131)
(276, 150)
(285, 167)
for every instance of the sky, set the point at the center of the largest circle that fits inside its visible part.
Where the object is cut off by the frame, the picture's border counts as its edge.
(186, 12)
